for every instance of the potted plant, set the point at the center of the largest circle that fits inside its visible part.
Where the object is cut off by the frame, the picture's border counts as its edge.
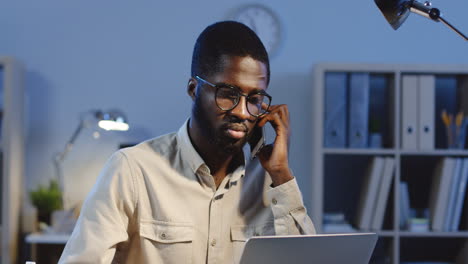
(46, 200)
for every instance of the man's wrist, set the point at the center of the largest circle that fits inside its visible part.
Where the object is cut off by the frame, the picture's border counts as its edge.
(281, 176)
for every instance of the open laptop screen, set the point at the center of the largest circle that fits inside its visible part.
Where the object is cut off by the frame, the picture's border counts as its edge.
(355, 248)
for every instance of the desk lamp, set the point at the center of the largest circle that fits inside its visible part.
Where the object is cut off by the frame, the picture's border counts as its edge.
(396, 12)
(111, 120)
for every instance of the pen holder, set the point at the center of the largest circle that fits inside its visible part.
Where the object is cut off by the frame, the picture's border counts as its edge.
(456, 136)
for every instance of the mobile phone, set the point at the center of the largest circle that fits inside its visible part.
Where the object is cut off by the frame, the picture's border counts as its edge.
(256, 141)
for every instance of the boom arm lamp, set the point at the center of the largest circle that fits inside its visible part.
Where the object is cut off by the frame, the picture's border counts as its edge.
(111, 120)
(397, 11)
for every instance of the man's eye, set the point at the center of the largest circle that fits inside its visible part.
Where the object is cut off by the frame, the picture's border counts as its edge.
(256, 99)
(227, 93)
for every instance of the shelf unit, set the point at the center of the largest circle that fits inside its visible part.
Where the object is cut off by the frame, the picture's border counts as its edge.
(338, 173)
(12, 155)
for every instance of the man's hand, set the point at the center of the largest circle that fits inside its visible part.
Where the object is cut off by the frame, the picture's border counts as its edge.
(274, 157)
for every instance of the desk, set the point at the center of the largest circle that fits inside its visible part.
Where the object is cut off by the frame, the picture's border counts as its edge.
(42, 238)
(54, 243)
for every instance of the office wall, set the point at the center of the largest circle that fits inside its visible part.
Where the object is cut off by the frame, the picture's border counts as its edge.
(135, 55)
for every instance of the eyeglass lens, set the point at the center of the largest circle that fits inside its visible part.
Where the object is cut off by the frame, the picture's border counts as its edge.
(227, 98)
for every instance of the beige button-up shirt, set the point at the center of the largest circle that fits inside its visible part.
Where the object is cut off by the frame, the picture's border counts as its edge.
(157, 203)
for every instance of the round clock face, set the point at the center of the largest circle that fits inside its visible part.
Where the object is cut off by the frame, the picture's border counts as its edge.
(264, 22)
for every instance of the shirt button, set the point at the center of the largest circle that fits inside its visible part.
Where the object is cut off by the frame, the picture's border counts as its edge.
(274, 201)
(213, 242)
(163, 235)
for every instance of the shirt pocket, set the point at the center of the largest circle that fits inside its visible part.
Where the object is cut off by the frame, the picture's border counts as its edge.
(240, 234)
(167, 242)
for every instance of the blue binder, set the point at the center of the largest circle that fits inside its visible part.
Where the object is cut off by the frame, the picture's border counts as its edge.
(358, 110)
(335, 110)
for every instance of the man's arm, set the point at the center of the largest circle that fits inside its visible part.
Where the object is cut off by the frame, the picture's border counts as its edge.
(290, 215)
(286, 199)
(105, 217)
(274, 157)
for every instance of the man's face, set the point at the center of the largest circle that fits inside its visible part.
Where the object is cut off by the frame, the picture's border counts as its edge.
(229, 130)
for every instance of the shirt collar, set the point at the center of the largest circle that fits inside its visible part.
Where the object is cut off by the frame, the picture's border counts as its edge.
(195, 161)
(189, 154)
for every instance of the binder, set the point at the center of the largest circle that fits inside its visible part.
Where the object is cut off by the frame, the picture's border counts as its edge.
(454, 181)
(426, 128)
(358, 114)
(383, 191)
(409, 104)
(460, 196)
(368, 194)
(439, 194)
(335, 109)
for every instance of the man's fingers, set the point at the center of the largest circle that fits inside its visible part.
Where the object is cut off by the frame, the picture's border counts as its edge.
(275, 110)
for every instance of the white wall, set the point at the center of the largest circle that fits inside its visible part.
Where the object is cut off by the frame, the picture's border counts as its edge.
(135, 55)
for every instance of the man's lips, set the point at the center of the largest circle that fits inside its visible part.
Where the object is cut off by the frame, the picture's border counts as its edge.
(236, 131)
(236, 134)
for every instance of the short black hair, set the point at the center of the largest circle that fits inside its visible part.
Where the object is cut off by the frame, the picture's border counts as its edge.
(226, 38)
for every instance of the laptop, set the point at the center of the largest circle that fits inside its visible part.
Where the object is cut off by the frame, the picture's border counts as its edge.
(353, 248)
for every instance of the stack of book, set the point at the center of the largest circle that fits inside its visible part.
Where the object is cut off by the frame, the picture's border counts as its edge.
(447, 195)
(336, 223)
(374, 195)
(414, 220)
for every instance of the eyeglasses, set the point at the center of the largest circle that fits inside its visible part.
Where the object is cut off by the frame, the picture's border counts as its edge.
(228, 97)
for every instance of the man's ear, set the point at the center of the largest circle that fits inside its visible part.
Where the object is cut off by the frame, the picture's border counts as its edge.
(192, 88)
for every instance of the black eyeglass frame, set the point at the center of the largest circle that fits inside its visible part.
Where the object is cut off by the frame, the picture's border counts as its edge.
(238, 97)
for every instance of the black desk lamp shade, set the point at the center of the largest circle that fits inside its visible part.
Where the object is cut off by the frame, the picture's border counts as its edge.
(396, 12)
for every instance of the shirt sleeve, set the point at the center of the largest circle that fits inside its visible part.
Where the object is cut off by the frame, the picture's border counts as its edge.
(290, 214)
(105, 217)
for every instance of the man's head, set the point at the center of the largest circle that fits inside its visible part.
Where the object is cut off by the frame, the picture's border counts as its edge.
(227, 38)
(226, 53)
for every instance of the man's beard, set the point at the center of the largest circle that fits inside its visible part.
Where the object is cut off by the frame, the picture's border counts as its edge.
(218, 136)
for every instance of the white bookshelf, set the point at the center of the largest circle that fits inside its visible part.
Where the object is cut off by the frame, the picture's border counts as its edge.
(12, 151)
(326, 183)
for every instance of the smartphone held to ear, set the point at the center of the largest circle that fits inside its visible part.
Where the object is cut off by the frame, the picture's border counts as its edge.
(256, 141)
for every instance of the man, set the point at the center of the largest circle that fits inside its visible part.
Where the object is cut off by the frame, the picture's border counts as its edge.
(194, 196)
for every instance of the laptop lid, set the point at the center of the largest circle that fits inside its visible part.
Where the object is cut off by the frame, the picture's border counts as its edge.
(353, 248)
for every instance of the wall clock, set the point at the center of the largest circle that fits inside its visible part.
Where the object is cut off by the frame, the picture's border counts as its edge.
(264, 22)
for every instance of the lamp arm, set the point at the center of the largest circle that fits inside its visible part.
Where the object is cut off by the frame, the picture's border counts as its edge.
(60, 157)
(426, 10)
(445, 22)
(69, 145)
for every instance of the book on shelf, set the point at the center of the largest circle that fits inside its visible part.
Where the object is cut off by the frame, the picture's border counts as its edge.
(439, 194)
(358, 114)
(383, 193)
(368, 195)
(454, 181)
(460, 193)
(335, 110)
(417, 224)
(405, 207)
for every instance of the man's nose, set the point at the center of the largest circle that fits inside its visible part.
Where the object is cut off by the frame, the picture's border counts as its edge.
(241, 109)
